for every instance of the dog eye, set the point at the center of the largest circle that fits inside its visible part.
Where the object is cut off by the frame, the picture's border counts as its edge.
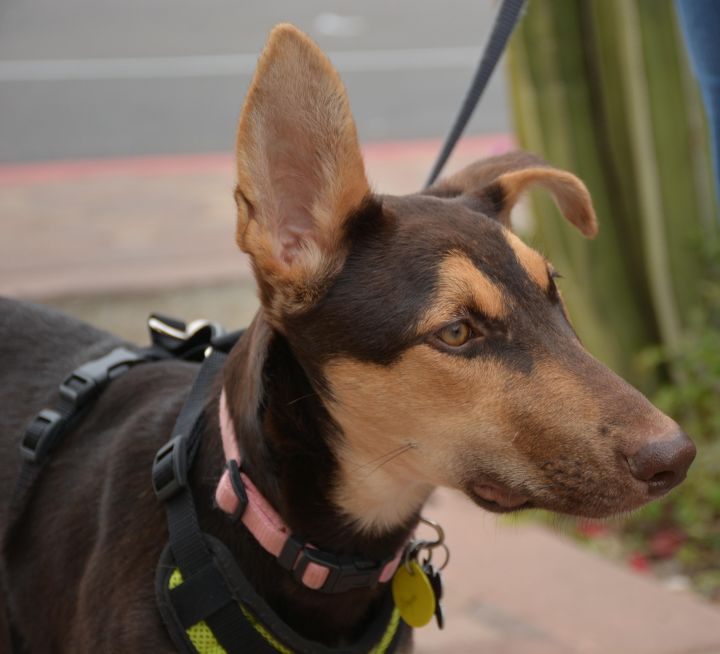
(455, 334)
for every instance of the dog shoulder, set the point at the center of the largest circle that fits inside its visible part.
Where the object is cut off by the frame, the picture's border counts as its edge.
(39, 346)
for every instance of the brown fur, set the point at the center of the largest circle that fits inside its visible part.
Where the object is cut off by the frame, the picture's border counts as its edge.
(348, 405)
(460, 285)
(534, 263)
(500, 182)
(405, 400)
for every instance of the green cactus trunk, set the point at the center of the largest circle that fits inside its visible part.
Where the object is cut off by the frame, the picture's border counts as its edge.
(602, 88)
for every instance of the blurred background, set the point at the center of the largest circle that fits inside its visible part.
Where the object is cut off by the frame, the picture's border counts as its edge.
(102, 79)
(117, 126)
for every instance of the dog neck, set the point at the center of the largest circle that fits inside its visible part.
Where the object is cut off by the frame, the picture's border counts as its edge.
(286, 438)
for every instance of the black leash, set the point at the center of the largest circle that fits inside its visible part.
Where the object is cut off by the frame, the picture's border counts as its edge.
(505, 22)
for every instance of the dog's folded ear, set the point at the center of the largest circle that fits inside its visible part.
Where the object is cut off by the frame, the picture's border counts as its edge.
(299, 166)
(494, 186)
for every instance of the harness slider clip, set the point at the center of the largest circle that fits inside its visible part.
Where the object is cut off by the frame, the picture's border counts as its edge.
(169, 471)
(86, 382)
(238, 488)
(41, 435)
(78, 388)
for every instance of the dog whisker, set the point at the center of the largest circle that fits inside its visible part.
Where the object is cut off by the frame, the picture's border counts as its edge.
(302, 397)
(391, 457)
(360, 466)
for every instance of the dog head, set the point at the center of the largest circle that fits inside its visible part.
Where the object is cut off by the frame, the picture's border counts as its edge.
(437, 340)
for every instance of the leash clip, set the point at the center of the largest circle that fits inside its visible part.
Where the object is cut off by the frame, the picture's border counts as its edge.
(186, 341)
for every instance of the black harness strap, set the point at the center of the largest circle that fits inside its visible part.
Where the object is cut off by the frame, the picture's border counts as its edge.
(207, 596)
(180, 612)
(49, 426)
(170, 472)
(207, 585)
(170, 339)
(214, 589)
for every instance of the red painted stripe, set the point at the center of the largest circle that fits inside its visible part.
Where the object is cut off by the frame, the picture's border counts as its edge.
(60, 171)
(488, 145)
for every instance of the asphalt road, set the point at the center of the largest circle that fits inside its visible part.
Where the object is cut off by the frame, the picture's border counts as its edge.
(100, 78)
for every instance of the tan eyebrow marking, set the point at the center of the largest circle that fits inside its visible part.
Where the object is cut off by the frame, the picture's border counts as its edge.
(462, 284)
(533, 262)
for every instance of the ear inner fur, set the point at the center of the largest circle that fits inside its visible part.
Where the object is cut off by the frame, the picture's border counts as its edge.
(300, 169)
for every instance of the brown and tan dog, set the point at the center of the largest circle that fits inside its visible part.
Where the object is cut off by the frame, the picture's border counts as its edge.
(403, 343)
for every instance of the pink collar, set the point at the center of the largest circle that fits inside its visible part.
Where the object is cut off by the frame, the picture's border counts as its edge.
(266, 525)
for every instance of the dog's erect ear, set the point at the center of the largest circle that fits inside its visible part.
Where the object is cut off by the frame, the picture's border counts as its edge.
(496, 184)
(299, 166)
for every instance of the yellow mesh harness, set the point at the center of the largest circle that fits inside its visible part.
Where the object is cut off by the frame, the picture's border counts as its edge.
(204, 641)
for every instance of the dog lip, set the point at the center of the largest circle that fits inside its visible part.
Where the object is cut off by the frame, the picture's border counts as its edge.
(503, 499)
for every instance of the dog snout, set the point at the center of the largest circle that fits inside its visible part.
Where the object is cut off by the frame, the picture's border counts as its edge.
(663, 463)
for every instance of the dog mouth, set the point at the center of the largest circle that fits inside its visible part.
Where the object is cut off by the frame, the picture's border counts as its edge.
(497, 499)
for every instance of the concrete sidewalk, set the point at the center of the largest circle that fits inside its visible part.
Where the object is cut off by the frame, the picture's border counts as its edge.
(526, 590)
(110, 241)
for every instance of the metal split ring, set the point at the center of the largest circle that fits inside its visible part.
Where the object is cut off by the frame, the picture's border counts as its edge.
(440, 532)
(416, 546)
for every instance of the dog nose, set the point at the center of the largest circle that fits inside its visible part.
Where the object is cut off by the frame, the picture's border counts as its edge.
(663, 464)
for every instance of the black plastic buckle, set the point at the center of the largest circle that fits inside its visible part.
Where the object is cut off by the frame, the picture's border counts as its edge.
(169, 471)
(79, 388)
(85, 382)
(343, 573)
(41, 435)
(238, 487)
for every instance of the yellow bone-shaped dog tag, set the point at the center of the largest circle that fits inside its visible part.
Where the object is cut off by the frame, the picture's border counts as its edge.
(413, 594)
